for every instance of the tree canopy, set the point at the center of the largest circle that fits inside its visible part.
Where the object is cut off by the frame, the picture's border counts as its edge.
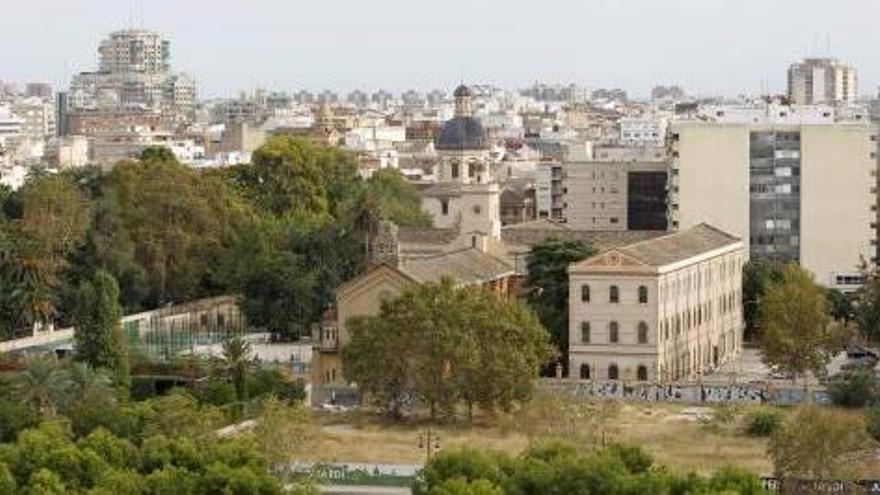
(547, 284)
(797, 334)
(447, 345)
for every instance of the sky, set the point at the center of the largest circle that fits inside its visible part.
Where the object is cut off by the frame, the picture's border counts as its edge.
(710, 47)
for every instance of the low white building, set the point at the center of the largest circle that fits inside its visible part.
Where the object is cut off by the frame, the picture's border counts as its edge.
(667, 308)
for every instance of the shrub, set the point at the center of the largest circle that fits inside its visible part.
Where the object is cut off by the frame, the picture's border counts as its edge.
(763, 422)
(855, 389)
(874, 422)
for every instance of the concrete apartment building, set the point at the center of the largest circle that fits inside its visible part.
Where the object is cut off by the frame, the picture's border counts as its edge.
(822, 80)
(667, 308)
(610, 188)
(793, 193)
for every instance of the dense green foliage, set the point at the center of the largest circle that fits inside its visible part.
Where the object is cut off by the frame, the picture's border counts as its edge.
(547, 284)
(558, 468)
(757, 276)
(856, 388)
(282, 232)
(64, 429)
(447, 345)
(867, 304)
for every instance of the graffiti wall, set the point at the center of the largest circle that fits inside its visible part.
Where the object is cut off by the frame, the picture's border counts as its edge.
(689, 393)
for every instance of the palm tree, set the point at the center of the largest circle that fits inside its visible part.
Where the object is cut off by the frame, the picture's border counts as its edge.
(43, 385)
(236, 353)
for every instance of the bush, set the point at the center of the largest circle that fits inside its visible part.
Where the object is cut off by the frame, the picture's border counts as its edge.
(855, 389)
(217, 392)
(874, 422)
(763, 422)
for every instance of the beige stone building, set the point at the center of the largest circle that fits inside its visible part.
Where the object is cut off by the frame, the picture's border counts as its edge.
(667, 308)
(793, 193)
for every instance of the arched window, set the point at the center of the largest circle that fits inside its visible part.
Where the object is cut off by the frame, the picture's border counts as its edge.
(585, 332)
(612, 332)
(643, 332)
(585, 371)
(642, 373)
(613, 373)
(585, 293)
(614, 294)
(643, 294)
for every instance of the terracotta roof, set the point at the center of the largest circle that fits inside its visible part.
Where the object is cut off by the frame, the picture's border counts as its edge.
(442, 189)
(468, 266)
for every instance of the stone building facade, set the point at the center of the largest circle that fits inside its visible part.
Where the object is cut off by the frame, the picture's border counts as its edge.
(664, 309)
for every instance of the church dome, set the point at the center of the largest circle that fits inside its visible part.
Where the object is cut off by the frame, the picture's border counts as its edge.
(462, 91)
(461, 133)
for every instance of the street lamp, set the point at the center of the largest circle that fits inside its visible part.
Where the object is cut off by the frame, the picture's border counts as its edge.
(429, 441)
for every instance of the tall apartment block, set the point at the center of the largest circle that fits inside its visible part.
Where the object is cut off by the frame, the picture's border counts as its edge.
(822, 80)
(134, 74)
(793, 193)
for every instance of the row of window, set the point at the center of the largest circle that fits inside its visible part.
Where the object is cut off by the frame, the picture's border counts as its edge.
(614, 332)
(614, 372)
(614, 294)
(694, 317)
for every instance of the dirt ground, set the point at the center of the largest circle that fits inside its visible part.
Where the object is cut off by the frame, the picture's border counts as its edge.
(678, 436)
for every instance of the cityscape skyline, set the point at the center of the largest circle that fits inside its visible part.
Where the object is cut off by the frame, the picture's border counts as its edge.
(387, 44)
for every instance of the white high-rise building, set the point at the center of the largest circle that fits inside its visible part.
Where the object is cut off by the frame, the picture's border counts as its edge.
(134, 73)
(822, 80)
(134, 50)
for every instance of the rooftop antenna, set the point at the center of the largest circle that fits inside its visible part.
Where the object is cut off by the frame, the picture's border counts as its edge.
(828, 43)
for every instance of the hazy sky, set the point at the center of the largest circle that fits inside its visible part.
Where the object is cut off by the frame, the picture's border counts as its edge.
(708, 46)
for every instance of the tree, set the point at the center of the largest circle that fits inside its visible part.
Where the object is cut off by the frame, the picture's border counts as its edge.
(867, 304)
(547, 283)
(855, 388)
(396, 199)
(820, 444)
(55, 215)
(161, 228)
(840, 306)
(446, 345)
(43, 385)
(796, 332)
(286, 178)
(757, 276)
(283, 434)
(98, 327)
(237, 354)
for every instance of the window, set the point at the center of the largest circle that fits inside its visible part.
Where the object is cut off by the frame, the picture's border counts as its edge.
(642, 373)
(472, 170)
(585, 293)
(585, 371)
(454, 170)
(613, 374)
(643, 332)
(613, 332)
(614, 294)
(444, 206)
(585, 332)
(643, 294)
(477, 209)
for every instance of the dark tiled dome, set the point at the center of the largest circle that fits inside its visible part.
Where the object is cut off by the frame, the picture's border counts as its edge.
(462, 91)
(461, 133)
